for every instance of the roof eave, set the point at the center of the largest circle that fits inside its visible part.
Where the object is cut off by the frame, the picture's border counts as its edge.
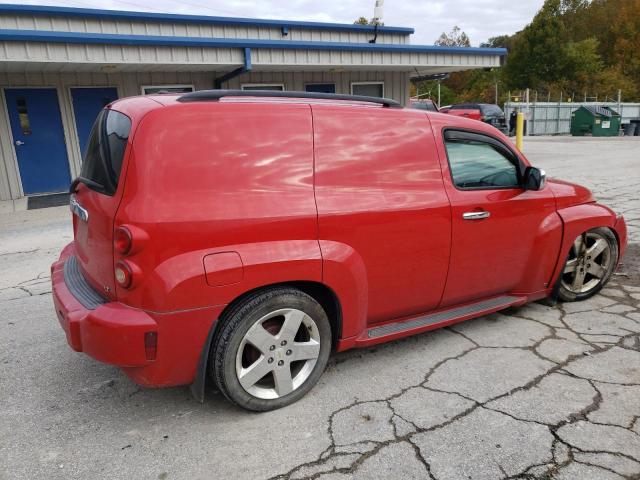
(169, 41)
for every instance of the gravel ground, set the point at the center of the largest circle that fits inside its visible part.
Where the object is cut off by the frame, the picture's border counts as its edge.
(534, 392)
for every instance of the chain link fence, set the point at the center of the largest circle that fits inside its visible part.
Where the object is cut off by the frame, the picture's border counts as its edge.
(554, 118)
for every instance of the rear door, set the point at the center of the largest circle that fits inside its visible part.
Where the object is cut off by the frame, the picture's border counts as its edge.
(97, 197)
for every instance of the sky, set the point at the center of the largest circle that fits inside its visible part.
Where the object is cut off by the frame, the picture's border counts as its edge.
(480, 19)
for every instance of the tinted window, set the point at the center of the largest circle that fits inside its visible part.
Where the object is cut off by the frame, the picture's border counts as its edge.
(424, 106)
(493, 110)
(464, 106)
(102, 161)
(479, 165)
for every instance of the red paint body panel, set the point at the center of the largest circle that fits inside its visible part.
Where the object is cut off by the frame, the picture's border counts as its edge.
(384, 199)
(226, 197)
(224, 177)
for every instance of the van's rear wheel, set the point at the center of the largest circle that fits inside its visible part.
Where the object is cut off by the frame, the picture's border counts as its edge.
(589, 266)
(271, 349)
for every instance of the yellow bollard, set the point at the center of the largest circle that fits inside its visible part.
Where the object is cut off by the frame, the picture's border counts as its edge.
(519, 130)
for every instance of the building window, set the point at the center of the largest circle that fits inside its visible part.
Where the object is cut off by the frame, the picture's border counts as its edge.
(23, 116)
(368, 89)
(155, 89)
(320, 87)
(263, 86)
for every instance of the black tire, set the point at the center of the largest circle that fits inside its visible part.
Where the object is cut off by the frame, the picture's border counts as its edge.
(565, 293)
(235, 325)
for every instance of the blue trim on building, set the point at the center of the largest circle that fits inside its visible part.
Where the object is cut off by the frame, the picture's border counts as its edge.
(217, 83)
(170, 17)
(167, 41)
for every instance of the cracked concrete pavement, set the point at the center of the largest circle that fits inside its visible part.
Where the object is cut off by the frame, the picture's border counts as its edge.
(535, 392)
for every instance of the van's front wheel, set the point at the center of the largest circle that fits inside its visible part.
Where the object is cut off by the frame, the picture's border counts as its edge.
(589, 266)
(271, 349)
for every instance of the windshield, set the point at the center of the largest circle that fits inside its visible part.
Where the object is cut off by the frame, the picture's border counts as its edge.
(103, 158)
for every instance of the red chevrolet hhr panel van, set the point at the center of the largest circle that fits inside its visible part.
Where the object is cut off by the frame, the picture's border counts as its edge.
(243, 238)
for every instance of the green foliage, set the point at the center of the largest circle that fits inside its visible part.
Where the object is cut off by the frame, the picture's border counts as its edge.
(578, 46)
(570, 46)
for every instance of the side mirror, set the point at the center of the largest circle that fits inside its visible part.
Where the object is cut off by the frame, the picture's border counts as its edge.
(534, 178)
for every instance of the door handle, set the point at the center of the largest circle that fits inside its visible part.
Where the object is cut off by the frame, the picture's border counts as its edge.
(475, 215)
(19, 142)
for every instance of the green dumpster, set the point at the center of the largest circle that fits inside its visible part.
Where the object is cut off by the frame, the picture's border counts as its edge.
(596, 121)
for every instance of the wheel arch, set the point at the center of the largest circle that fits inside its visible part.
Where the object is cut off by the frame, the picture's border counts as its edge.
(320, 292)
(579, 219)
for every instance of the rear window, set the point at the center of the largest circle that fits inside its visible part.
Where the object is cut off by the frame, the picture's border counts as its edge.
(102, 160)
(493, 110)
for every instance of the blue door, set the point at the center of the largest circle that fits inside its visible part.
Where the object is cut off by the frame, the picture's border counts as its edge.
(87, 103)
(38, 137)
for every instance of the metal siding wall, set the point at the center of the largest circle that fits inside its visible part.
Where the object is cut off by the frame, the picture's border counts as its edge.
(73, 24)
(199, 58)
(118, 54)
(396, 84)
(553, 118)
(9, 180)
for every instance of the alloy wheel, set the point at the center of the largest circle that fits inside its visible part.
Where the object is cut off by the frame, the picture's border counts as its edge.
(588, 263)
(278, 353)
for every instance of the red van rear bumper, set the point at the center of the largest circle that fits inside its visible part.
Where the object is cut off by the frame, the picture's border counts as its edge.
(114, 333)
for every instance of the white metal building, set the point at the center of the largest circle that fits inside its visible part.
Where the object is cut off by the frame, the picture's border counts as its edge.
(59, 66)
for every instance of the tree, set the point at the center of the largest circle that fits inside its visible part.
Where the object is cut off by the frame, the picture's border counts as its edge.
(455, 38)
(539, 53)
(501, 41)
(570, 45)
(364, 21)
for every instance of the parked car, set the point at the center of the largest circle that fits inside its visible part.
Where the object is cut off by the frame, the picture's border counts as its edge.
(423, 104)
(485, 112)
(244, 238)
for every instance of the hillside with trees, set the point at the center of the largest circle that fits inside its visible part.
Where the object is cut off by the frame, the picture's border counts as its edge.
(573, 48)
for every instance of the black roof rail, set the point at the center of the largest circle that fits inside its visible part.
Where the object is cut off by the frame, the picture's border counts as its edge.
(209, 95)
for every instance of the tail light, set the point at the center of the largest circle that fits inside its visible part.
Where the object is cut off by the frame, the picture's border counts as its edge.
(151, 345)
(122, 240)
(124, 274)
